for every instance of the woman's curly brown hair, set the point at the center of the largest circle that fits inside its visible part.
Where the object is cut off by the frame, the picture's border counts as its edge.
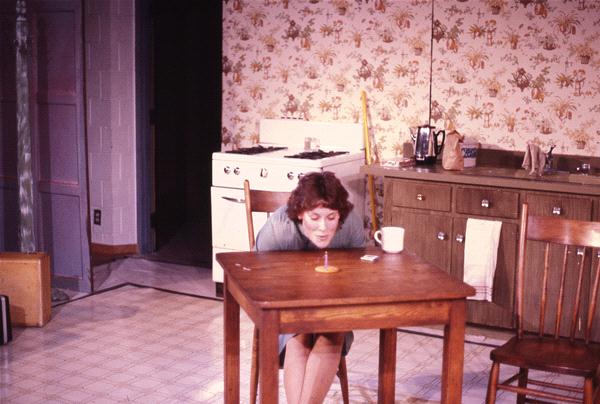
(319, 190)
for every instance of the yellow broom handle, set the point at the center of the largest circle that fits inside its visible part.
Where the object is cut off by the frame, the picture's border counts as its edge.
(363, 96)
(368, 159)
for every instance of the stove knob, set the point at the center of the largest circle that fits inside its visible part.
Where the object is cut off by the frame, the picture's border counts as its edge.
(290, 175)
(264, 172)
(236, 171)
(227, 169)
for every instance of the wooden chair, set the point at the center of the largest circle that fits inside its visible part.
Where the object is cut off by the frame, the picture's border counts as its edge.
(268, 202)
(538, 344)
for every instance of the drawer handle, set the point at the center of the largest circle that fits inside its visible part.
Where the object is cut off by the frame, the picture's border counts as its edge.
(420, 197)
(580, 251)
(264, 172)
(485, 203)
(231, 199)
(441, 236)
(557, 211)
(236, 171)
(460, 238)
(226, 169)
(290, 175)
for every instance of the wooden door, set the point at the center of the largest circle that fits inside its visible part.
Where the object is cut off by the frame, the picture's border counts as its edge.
(498, 312)
(58, 137)
(9, 196)
(426, 234)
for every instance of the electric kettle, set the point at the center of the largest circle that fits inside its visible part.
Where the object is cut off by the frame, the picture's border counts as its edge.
(427, 144)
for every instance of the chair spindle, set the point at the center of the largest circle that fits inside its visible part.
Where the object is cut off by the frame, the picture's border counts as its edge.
(594, 301)
(561, 293)
(577, 305)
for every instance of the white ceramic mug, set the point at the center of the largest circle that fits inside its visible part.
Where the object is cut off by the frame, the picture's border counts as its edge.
(391, 239)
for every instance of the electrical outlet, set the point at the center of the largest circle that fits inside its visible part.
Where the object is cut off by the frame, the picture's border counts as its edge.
(97, 217)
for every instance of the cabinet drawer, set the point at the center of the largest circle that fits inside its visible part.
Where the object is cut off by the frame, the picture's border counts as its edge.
(487, 202)
(567, 207)
(420, 195)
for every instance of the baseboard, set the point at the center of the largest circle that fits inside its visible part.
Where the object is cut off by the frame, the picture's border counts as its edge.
(114, 251)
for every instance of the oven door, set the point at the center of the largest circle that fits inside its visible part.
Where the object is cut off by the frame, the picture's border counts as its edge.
(229, 229)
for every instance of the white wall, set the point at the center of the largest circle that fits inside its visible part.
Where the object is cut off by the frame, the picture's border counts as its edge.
(110, 118)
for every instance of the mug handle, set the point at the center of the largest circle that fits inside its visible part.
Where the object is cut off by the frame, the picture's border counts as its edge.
(377, 236)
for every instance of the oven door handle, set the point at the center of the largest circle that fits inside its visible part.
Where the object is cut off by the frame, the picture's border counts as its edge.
(231, 199)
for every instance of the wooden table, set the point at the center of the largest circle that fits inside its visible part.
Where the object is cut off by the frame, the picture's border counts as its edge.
(282, 293)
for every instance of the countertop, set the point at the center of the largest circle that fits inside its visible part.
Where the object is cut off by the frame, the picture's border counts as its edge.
(558, 181)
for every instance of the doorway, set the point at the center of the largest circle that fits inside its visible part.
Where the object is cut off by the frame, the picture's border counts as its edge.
(183, 98)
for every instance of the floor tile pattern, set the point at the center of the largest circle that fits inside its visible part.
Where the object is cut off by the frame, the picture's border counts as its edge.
(142, 345)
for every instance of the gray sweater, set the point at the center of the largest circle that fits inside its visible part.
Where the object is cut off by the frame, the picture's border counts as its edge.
(281, 233)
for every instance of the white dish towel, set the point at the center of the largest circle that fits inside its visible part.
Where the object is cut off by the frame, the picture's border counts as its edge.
(481, 253)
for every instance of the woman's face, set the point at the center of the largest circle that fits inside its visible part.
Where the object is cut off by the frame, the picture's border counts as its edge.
(319, 225)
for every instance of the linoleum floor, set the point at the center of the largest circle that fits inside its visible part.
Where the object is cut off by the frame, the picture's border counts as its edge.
(163, 343)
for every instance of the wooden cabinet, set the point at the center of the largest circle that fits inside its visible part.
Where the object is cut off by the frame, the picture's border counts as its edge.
(434, 205)
(426, 233)
(435, 213)
(436, 231)
(419, 208)
(498, 312)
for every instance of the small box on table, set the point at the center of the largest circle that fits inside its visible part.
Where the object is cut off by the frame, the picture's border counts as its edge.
(25, 279)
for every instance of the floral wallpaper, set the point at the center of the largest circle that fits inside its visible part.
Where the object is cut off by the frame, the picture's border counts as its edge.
(508, 72)
(502, 72)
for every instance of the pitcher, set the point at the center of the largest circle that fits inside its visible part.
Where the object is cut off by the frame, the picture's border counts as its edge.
(427, 144)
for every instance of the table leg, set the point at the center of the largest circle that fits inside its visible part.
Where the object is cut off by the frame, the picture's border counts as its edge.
(454, 354)
(231, 322)
(387, 366)
(268, 353)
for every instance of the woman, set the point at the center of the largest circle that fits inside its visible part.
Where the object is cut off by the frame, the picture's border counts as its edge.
(318, 215)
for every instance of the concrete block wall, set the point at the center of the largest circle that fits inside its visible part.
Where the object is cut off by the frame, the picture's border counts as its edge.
(110, 119)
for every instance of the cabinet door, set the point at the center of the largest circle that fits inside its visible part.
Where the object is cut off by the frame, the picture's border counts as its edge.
(498, 312)
(596, 321)
(567, 207)
(426, 234)
(596, 324)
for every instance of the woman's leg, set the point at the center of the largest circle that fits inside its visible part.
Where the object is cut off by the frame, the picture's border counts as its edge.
(297, 350)
(321, 367)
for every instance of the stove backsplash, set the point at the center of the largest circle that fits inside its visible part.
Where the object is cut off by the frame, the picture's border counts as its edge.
(327, 135)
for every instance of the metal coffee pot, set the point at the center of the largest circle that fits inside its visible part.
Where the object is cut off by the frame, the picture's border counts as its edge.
(427, 144)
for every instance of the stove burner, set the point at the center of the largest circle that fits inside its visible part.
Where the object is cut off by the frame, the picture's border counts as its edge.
(256, 149)
(316, 154)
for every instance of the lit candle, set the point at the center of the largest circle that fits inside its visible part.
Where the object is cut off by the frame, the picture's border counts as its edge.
(326, 260)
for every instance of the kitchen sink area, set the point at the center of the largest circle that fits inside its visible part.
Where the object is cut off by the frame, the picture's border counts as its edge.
(568, 178)
(522, 174)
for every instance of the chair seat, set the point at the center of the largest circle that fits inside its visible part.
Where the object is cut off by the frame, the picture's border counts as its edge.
(550, 355)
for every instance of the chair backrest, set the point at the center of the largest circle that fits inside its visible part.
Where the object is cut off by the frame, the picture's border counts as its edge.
(261, 201)
(572, 289)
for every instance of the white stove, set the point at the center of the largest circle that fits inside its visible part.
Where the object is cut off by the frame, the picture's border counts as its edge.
(338, 148)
